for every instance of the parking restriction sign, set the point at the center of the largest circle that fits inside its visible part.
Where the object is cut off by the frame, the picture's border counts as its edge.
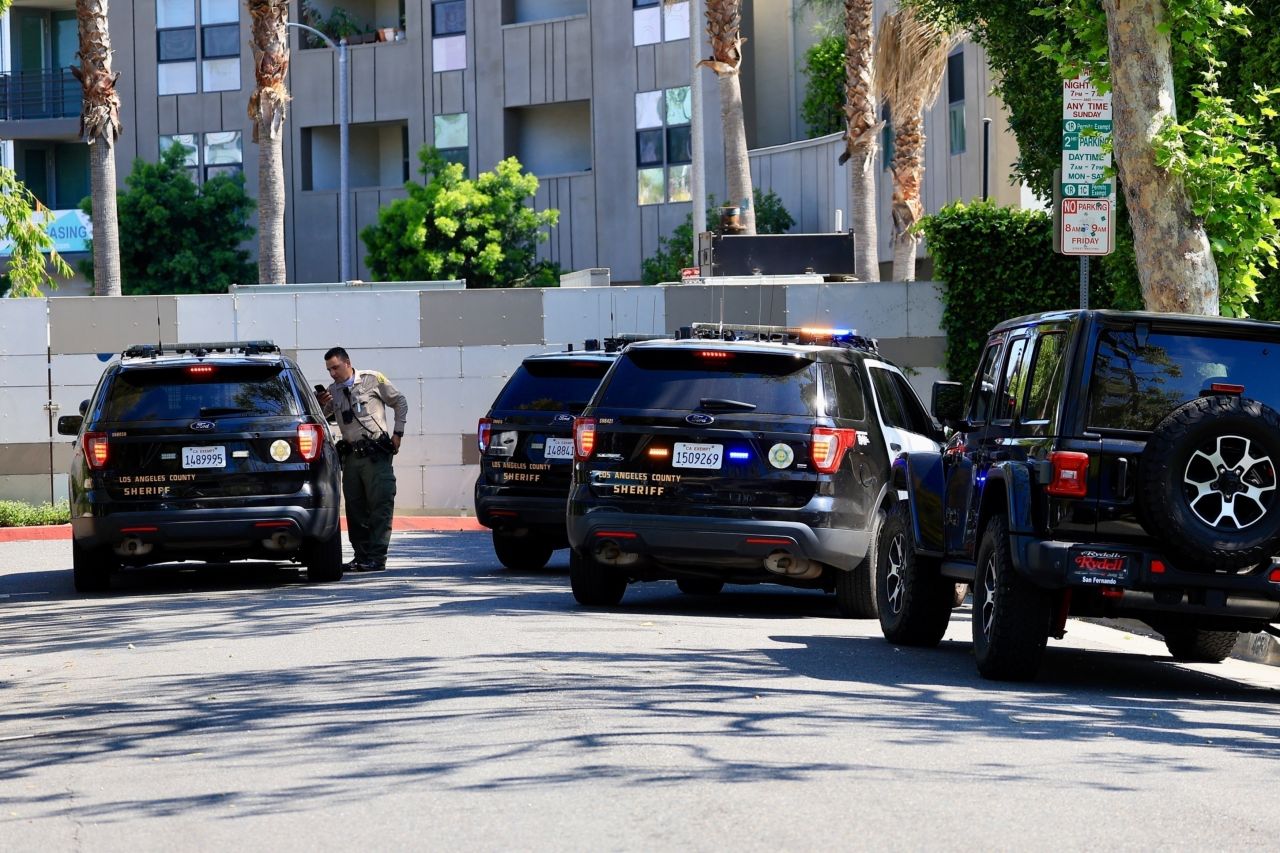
(1086, 226)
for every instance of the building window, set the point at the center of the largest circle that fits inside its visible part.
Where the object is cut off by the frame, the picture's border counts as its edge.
(217, 153)
(178, 33)
(448, 35)
(955, 102)
(451, 139)
(886, 137)
(663, 145)
(654, 21)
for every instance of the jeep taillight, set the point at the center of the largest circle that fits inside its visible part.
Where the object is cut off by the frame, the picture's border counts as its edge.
(483, 430)
(1069, 476)
(584, 437)
(828, 446)
(309, 441)
(95, 450)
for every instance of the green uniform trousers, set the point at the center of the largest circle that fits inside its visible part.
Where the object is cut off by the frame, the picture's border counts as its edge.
(369, 490)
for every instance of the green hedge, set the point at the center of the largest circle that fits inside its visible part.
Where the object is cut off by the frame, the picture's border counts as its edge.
(19, 514)
(997, 263)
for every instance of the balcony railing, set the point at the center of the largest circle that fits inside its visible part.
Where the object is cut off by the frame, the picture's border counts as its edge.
(39, 94)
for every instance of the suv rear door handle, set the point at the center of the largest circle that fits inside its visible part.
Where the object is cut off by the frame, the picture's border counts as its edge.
(894, 446)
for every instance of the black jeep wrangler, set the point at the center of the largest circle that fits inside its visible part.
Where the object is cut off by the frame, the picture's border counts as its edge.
(526, 449)
(202, 451)
(741, 454)
(1105, 464)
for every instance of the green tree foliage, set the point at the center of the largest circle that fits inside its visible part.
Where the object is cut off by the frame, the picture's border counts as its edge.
(675, 251)
(998, 262)
(29, 242)
(450, 227)
(176, 237)
(823, 105)
(1223, 146)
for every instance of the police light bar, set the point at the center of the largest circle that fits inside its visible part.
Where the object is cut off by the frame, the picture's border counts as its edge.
(200, 349)
(783, 334)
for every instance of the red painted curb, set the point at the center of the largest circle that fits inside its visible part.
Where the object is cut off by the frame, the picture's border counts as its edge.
(434, 523)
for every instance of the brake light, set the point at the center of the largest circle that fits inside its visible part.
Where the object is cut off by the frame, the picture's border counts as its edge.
(96, 450)
(584, 437)
(309, 439)
(714, 353)
(484, 429)
(201, 370)
(1226, 388)
(828, 447)
(1274, 577)
(1070, 474)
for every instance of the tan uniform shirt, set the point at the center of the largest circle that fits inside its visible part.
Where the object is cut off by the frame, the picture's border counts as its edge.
(367, 399)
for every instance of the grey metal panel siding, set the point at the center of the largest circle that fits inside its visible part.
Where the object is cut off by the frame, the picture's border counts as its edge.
(315, 216)
(396, 74)
(738, 303)
(364, 82)
(516, 52)
(96, 325)
(581, 224)
(578, 59)
(455, 318)
(452, 93)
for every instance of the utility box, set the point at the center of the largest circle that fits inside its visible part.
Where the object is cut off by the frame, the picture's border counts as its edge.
(829, 255)
(592, 277)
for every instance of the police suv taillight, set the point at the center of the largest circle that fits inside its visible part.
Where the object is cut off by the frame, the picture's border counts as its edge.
(584, 437)
(828, 446)
(309, 441)
(483, 430)
(96, 450)
(1068, 474)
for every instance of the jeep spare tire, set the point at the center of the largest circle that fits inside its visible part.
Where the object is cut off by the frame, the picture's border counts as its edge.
(1208, 481)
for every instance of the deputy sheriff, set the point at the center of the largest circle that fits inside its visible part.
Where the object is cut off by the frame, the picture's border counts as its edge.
(357, 401)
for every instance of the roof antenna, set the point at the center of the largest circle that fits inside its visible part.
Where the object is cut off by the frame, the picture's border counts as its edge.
(720, 331)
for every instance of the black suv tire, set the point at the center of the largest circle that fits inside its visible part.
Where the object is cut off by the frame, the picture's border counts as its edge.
(1190, 644)
(914, 599)
(593, 584)
(323, 558)
(91, 569)
(1176, 460)
(521, 553)
(1011, 615)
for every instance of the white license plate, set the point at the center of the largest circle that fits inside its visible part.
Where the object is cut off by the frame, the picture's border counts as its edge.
(558, 448)
(686, 455)
(204, 457)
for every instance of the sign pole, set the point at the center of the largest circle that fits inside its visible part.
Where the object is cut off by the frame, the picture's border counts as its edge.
(1084, 281)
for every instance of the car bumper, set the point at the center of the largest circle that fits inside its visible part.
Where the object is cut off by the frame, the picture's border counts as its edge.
(710, 542)
(497, 508)
(167, 531)
(1148, 580)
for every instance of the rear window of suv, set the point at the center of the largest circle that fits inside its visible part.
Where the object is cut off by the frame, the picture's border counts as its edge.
(1138, 379)
(552, 386)
(687, 379)
(178, 393)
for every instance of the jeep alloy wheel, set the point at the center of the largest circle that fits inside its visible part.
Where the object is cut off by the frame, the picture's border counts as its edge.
(1226, 486)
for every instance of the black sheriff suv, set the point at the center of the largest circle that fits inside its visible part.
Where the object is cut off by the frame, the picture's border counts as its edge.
(741, 454)
(1104, 464)
(202, 451)
(526, 449)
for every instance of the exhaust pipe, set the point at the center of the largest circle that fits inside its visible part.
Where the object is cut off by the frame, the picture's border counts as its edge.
(789, 565)
(281, 541)
(610, 553)
(133, 547)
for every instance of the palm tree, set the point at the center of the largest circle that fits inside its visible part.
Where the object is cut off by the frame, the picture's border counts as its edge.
(862, 127)
(267, 108)
(724, 28)
(100, 127)
(911, 56)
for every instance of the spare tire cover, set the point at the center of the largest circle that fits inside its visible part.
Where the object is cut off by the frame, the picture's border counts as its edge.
(1208, 483)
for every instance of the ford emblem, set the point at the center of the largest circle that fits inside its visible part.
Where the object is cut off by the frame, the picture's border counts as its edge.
(203, 426)
(563, 419)
(699, 419)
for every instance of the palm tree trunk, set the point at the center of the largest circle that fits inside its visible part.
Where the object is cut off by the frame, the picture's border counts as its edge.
(100, 127)
(908, 170)
(1176, 269)
(860, 134)
(724, 27)
(267, 109)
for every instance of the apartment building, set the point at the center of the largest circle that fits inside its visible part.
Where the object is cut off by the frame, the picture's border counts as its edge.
(592, 97)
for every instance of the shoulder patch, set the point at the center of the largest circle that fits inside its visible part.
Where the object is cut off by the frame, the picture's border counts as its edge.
(382, 380)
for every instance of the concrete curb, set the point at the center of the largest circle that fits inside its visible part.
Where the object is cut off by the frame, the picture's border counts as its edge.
(425, 523)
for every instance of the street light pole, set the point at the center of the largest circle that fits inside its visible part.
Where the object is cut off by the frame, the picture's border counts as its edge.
(698, 180)
(344, 150)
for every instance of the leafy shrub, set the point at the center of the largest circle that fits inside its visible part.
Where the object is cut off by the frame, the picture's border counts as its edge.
(675, 251)
(451, 227)
(996, 263)
(823, 105)
(19, 514)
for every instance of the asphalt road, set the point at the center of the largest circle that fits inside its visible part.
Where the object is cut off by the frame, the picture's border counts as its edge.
(451, 704)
